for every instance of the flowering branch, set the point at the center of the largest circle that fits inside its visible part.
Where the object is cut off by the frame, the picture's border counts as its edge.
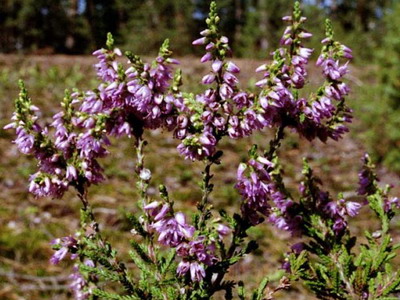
(174, 259)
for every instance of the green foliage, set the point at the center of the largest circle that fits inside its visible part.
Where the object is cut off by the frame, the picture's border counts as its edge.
(383, 99)
(107, 295)
(149, 22)
(346, 270)
(253, 26)
(259, 294)
(137, 227)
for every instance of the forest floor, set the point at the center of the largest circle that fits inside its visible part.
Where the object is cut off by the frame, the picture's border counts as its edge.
(27, 225)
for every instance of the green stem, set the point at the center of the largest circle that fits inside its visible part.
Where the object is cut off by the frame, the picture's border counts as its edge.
(242, 228)
(142, 185)
(349, 287)
(275, 143)
(88, 220)
(207, 187)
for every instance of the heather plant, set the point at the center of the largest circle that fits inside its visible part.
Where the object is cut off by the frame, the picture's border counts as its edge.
(177, 257)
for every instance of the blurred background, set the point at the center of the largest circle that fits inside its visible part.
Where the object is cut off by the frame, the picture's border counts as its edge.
(253, 26)
(48, 44)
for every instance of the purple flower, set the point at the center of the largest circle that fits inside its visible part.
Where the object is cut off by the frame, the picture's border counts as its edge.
(157, 210)
(339, 226)
(59, 255)
(198, 147)
(305, 35)
(183, 268)
(24, 141)
(333, 70)
(226, 91)
(79, 285)
(230, 79)
(305, 52)
(223, 230)
(286, 266)
(352, 208)
(389, 204)
(206, 57)
(71, 173)
(232, 68)
(259, 192)
(107, 67)
(366, 177)
(241, 100)
(195, 255)
(200, 41)
(47, 185)
(173, 230)
(66, 245)
(92, 146)
(197, 272)
(208, 79)
(216, 65)
(346, 52)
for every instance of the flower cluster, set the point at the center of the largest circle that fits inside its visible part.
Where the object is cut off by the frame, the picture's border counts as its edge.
(125, 102)
(339, 210)
(196, 251)
(219, 111)
(25, 123)
(79, 285)
(333, 90)
(133, 98)
(261, 194)
(254, 184)
(71, 159)
(226, 110)
(314, 199)
(368, 186)
(64, 246)
(195, 255)
(33, 139)
(366, 177)
(279, 100)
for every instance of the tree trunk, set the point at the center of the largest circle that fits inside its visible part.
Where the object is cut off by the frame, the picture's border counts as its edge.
(263, 24)
(363, 14)
(238, 20)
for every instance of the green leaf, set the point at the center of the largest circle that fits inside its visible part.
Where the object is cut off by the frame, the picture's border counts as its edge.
(168, 262)
(141, 252)
(136, 224)
(259, 293)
